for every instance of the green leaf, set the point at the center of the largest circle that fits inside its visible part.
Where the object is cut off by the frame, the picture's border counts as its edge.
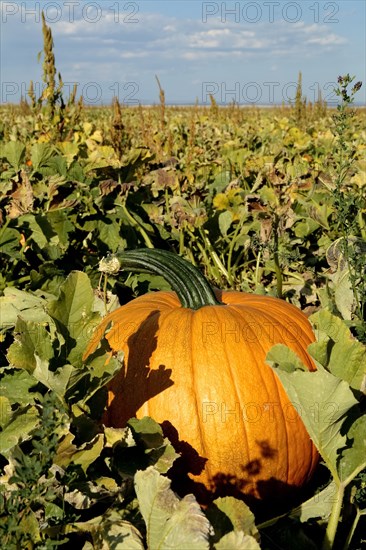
(50, 231)
(320, 213)
(239, 514)
(10, 242)
(18, 430)
(343, 293)
(337, 350)
(69, 150)
(237, 540)
(86, 381)
(323, 401)
(107, 230)
(221, 180)
(73, 312)
(171, 523)
(118, 435)
(31, 339)
(5, 411)
(65, 451)
(146, 432)
(268, 195)
(143, 445)
(89, 452)
(16, 302)
(305, 227)
(61, 225)
(287, 359)
(29, 525)
(55, 381)
(41, 234)
(40, 154)
(86, 495)
(14, 152)
(318, 506)
(58, 165)
(225, 221)
(53, 511)
(148, 283)
(353, 459)
(15, 385)
(109, 532)
(118, 534)
(163, 458)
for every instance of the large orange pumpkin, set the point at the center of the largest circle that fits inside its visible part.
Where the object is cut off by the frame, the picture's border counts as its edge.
(195, 362)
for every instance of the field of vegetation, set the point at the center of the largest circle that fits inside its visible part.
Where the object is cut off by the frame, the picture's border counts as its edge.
(266, 201)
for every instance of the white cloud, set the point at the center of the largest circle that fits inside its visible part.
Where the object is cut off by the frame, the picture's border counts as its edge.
(218, 32)
(132, 54)
(168, 37)
(328, 40)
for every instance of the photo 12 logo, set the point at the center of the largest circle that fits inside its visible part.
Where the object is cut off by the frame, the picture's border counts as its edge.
(249, 332)
(265, 93)
(270, 411)
(270, 12)
(93, 93)
(71, 10)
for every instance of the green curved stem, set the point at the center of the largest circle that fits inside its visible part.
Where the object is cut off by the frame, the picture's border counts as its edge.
(214, 256)
(331, 531)
(353, 529)
(193, 290)
(257, 267)
(137, 226)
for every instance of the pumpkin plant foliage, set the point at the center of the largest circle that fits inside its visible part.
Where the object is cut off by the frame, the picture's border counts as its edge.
(65, 477)
(331, 403)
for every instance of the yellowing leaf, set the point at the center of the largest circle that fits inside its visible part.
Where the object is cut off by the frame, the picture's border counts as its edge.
(97, 136)
(89, 452)
(221, 202)
(171, 523)
(359, 179)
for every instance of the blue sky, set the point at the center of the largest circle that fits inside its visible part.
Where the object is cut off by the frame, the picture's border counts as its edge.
(250, 51)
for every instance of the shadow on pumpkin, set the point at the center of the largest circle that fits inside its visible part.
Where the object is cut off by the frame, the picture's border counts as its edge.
(138, 383)
(275, 496)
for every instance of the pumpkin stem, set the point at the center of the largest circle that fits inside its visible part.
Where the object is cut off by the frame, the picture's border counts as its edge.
(192, 288)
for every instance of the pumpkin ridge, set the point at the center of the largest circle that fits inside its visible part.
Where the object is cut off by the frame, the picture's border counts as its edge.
(284, 422)
(194, 384)
(242, 314)
(244, 430)
(288, 316)
(270, 317)
(299, 336)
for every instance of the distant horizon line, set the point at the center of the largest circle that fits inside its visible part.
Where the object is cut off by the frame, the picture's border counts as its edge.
(194, 104)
